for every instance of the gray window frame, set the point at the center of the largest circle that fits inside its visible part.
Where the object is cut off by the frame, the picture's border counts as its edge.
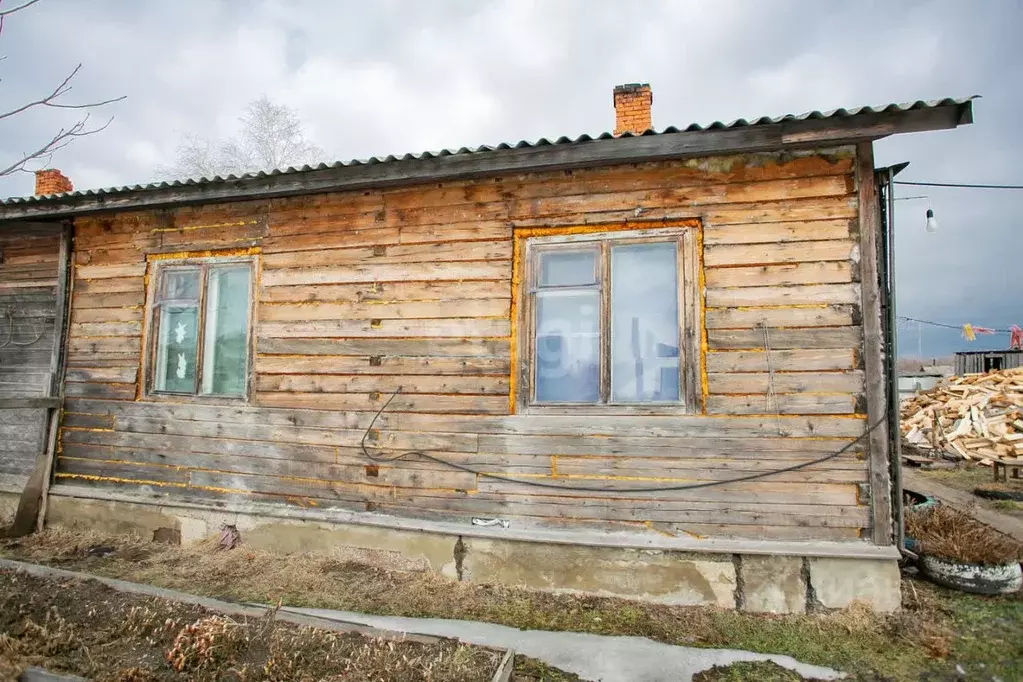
(689, 313)
(154, 290)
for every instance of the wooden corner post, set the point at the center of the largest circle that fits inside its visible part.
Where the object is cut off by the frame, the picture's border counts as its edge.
(873, 345)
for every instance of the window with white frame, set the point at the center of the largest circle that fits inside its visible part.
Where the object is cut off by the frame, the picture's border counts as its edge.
(200, 327)
(610, 320)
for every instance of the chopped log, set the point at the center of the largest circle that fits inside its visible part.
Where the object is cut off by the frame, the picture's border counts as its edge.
(975, 416)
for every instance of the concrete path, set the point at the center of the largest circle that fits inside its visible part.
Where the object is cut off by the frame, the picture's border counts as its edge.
(963, 501)
(592, 657)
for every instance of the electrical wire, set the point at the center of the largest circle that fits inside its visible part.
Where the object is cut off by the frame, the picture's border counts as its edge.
(644, 489)
(947, 326)
(956, 184)
(9, 341)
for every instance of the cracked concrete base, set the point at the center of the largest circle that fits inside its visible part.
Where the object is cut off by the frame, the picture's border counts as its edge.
(592, 657)
(773, 584)
(837, 583)
(780, 583)
(664, 577)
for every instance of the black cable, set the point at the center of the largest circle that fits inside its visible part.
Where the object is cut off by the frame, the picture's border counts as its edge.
(646, 489)
(956, 184)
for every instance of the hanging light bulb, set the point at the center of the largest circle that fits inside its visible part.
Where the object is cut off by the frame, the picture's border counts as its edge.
(932, 222)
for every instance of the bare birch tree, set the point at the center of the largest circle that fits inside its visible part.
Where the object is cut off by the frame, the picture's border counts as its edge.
(42, 151)
(271, 136)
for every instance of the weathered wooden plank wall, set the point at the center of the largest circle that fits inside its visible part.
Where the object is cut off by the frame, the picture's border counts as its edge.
(977, 362)
(362, 292)
(28, 299)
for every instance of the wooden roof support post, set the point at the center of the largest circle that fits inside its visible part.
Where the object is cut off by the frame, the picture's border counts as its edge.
(873, 345)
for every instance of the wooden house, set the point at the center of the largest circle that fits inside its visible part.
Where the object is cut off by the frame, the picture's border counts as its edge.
(647, 363)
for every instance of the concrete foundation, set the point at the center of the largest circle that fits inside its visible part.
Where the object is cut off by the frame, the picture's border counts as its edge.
(772, 584)
(837, 583)
(756, 582)
(8, 506)
(666, 577)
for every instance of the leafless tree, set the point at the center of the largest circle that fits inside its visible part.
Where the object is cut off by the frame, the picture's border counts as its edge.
(271, 137)
(55, 99)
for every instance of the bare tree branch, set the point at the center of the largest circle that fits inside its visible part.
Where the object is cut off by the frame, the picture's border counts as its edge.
(271, 136)
(58, 92)
(6, 12)
(64, 136)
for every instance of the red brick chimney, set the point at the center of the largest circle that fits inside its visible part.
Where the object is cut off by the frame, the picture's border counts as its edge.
(632, 108)
(52, 181)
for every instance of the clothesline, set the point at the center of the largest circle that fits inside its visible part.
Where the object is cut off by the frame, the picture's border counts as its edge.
(970, 331)
(958, 327)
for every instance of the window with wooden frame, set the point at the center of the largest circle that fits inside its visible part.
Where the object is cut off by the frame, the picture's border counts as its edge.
(200, 327)
(610, 320)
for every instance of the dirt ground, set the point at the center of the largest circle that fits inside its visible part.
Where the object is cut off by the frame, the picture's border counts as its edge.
(967, 477)
(937, 630)
(88, 629)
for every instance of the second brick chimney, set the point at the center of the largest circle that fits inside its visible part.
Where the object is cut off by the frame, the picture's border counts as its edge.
(52, 181)
(632, 108)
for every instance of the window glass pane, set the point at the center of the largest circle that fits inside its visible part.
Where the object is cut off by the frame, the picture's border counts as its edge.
(180, 284)
(225, 352)
(176, 349)
(566, 268)
(644, 323)
(567, 345)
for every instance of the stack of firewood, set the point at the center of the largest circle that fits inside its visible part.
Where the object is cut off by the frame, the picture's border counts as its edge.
(976, 417)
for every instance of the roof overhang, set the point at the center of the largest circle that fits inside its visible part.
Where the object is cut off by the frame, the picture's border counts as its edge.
(789, 133)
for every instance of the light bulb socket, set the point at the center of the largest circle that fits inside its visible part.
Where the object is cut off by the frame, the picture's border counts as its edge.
(930, 213)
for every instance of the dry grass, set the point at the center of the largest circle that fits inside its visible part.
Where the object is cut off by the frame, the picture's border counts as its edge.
(761, 671)
(86, 628)
(950, 534)
(922, 638)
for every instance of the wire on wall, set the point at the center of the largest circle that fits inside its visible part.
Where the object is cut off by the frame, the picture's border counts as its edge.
(376, 458)
(9, 341)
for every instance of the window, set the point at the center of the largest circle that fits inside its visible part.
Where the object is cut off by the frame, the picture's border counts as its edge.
(610, 320)
(200, 328)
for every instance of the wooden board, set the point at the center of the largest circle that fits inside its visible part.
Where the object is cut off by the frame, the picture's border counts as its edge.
(359, 293)
(826, 272)
(779, 361)
(375, 364)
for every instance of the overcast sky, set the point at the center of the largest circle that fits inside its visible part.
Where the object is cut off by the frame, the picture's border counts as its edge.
(373, 78)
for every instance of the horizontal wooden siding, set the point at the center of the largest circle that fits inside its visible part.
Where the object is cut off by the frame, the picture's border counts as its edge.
(365, 292)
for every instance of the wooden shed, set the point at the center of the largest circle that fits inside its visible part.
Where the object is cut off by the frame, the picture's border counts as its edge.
(643, 363)
(980, 361)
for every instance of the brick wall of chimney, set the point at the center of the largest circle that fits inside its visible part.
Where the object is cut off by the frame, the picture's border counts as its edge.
(52, 181)
(632, 108)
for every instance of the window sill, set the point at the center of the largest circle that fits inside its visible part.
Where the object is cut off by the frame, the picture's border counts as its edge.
(653, 409)
(195, 399)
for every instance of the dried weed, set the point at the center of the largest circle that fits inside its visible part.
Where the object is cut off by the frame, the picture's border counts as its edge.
(950, 534)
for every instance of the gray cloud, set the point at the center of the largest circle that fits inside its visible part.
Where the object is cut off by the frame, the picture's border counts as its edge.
(391, 77)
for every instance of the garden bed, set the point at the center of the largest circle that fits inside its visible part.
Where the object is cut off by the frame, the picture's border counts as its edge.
(83, 627)
(936, 631)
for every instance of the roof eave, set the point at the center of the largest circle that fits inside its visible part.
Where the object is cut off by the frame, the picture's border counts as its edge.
(792, 134)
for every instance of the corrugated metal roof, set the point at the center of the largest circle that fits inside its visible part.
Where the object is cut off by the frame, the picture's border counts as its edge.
(485, 149)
